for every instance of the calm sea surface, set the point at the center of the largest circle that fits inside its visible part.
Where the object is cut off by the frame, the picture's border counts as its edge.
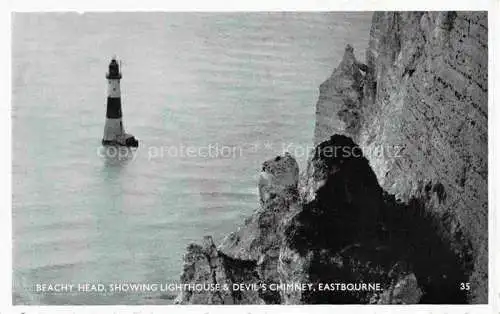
(243, 84)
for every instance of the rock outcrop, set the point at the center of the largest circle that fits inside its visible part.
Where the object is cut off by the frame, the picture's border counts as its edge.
(395, 192)
(335, 226)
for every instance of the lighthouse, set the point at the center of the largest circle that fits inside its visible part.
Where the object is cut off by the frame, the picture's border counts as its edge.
(114, 132)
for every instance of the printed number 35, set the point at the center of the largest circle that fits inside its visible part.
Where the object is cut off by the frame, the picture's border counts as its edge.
(465, 286)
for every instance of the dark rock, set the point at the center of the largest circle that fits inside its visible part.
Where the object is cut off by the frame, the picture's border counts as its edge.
(343, 228)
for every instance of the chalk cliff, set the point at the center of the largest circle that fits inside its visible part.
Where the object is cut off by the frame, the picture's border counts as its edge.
(395, 191)
(419, 110)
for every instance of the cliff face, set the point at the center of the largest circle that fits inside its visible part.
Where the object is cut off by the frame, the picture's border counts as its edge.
(395, 192)
(423, 119)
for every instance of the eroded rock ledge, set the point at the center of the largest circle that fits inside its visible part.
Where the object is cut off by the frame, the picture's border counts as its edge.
(336, 226)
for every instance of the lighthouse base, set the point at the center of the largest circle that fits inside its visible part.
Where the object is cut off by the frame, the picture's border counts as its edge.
(128, 141)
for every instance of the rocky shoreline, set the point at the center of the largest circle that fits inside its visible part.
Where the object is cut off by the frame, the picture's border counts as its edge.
(412, 219)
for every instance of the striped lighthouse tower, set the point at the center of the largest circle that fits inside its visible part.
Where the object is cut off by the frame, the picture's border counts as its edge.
(114, 133)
